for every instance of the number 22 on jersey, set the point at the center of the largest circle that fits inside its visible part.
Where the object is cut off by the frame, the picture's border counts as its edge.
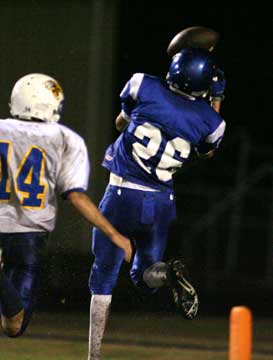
(28, 182)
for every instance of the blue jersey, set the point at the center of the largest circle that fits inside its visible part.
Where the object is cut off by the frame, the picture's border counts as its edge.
(162, 127)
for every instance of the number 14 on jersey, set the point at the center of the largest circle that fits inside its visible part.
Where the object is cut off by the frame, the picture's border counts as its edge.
(29, 184)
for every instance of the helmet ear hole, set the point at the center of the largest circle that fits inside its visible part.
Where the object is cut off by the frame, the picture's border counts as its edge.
(191, 71)
(37, 96)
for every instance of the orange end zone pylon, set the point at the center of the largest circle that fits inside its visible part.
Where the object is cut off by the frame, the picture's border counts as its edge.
(240, 333)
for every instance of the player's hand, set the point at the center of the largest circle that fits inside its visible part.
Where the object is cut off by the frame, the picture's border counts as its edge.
(125, 244)
(218, 86)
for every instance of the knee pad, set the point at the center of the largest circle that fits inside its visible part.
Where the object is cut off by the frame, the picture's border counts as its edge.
(137, 279)
(156, 275)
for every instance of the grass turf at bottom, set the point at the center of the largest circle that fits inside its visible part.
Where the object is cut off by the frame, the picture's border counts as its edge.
(64, 336)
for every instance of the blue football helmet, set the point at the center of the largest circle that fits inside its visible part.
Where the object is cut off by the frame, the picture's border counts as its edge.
(191, 71)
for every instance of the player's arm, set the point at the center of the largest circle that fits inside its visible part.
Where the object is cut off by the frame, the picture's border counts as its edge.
(207, 155)
(216, 104)
(129, 98)
(207, 147)
(91, 213)
(217, 90)
(72, 182)
(121, 122)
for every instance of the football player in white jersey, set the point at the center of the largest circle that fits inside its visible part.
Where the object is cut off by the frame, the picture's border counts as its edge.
(38, 159)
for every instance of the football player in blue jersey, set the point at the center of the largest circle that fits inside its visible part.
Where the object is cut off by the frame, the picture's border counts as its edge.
(38, 158)
(160, 121)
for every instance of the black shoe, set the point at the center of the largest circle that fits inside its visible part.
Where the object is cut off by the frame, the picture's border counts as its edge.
(185, 296)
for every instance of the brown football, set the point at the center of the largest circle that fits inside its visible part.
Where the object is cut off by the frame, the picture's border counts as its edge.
(195, 36)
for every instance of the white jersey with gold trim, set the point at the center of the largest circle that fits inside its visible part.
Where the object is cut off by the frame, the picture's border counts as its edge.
(37, 160)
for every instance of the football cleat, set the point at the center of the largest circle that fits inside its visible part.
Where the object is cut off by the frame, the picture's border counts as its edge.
(184, 294)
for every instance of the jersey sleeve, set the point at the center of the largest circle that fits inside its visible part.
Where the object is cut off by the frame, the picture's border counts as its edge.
(75, 167)
(129, 95)
(212, 140)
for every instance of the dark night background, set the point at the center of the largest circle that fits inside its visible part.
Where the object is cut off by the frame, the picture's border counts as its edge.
(225, 206)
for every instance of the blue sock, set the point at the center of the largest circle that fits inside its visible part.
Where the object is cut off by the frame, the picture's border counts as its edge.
(10, 301)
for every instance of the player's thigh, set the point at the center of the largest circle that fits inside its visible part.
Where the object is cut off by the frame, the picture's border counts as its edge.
(150, 248)
(151, 240)
(117, 206)
(122, 207)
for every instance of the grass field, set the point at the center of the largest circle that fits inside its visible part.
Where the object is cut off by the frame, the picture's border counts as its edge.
(59, 336)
